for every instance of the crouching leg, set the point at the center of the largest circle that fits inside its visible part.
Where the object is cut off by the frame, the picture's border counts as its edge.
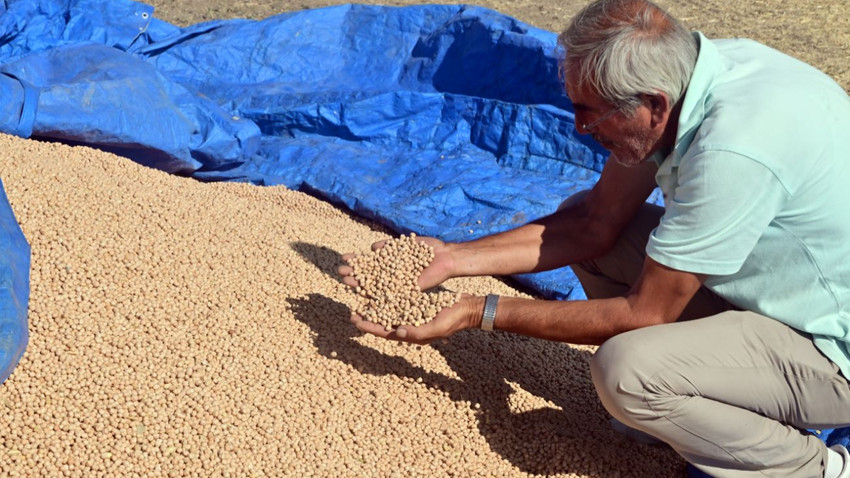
(732, 393)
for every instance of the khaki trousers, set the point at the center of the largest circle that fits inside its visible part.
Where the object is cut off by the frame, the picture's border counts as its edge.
(731, 391)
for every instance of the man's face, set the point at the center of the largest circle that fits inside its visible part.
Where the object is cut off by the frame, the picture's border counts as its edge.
(630, 136)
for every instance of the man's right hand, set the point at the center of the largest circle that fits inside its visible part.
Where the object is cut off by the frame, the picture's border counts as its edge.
(435, 274)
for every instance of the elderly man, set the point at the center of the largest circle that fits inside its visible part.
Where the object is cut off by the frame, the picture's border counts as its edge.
(751, 149)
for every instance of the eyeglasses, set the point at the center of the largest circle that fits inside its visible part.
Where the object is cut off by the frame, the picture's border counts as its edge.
(598, 121)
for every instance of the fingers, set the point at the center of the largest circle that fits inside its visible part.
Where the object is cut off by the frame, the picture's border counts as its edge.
(371, 328)
(416, 335)
(345, 271)
(412, 334)
(379, 244)
(404, 333)
(347, 278)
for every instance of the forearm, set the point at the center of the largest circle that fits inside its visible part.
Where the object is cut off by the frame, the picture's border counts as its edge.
(584, 229)
(555, 241)
(659, 296)
(576, 322)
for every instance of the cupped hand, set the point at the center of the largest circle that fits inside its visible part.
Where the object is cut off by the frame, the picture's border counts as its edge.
(435, 274)
(464, 314)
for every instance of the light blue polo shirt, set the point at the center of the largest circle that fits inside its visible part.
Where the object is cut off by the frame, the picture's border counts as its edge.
(757, 189)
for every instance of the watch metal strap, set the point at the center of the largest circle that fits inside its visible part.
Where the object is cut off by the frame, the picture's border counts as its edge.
(489, 312)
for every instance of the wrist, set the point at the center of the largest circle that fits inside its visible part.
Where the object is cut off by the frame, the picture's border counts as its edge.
(452, 251)
(474, 312)
(481, 312)
(463, 260)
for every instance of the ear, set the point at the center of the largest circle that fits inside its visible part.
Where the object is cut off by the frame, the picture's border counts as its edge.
(659, 107)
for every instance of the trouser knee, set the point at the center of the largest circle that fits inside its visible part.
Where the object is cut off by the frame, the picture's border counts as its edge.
(617, 369)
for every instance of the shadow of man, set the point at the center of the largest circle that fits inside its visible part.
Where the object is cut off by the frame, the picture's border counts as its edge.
(506, 375)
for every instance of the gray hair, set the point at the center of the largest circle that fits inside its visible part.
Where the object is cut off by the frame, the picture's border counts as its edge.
(624, 48)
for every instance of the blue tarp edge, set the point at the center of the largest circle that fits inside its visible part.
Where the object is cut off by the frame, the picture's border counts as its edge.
(14, 289)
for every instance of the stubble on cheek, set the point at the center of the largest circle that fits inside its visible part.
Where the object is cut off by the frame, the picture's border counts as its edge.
(631, 151)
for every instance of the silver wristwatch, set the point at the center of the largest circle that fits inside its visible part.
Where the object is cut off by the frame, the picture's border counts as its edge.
(489, 312)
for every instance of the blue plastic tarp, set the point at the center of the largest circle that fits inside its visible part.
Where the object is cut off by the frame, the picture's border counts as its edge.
(449, 121)
(14, 289)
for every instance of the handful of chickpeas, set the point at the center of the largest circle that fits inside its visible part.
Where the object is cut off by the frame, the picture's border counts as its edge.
(388, 287)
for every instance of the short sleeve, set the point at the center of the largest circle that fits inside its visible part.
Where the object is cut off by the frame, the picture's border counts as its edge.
(715, 215)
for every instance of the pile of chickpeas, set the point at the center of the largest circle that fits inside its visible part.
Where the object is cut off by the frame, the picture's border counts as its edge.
(187, 329)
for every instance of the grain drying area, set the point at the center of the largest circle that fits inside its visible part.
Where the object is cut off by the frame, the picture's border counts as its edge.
(187, 329)
(180, 328)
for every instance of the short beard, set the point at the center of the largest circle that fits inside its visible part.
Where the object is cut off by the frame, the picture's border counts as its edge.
(634, 144)
(628, 164)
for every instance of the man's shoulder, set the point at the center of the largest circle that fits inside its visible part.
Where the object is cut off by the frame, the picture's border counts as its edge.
(744, 95)
(757, 73)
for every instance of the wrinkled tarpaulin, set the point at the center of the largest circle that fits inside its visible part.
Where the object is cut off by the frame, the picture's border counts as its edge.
(449, 121)
(14, 289)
